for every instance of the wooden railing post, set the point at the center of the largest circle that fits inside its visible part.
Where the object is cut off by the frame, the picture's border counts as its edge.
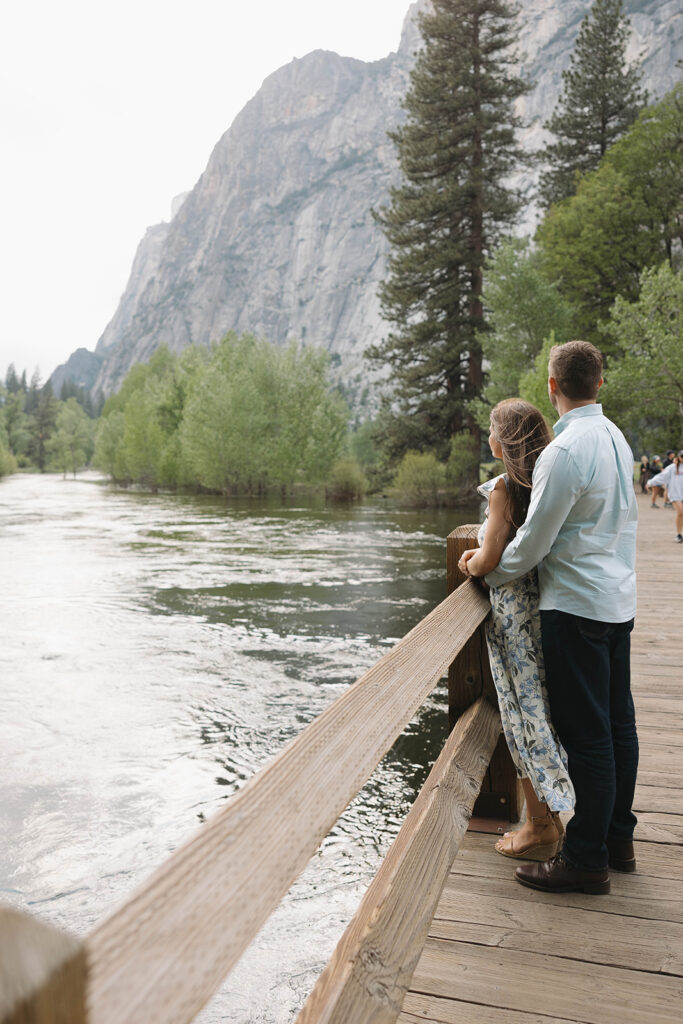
(469, 677)
(371, 969)
(42, 973)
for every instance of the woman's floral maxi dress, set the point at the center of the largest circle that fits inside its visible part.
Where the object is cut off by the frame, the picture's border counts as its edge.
(513, 636)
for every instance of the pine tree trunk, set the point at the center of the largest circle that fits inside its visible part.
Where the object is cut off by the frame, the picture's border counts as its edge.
(474, 371)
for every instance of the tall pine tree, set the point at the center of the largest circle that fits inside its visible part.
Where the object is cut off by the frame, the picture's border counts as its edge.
(456, 148)
(601, 97)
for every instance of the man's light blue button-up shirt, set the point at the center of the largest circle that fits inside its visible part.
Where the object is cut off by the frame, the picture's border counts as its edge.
(580, 529)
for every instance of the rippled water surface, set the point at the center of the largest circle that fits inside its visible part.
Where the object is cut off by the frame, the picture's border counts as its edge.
(158, 650)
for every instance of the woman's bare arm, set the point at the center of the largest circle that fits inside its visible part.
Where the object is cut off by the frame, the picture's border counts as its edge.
(482, 560)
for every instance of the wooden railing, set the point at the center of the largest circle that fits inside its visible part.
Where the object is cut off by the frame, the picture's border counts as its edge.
(162, 955)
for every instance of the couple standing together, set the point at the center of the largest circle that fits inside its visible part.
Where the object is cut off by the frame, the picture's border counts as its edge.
(558, 553)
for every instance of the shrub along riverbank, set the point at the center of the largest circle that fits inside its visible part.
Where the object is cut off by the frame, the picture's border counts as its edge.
(242, 416)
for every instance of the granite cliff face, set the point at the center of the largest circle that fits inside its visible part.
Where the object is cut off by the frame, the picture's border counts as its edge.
(277, 236)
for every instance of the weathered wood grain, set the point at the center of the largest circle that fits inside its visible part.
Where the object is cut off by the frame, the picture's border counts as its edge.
(672, 703)
(478, 857)
(663, 779)
(661, 737)
(162, 955)
(423, 1009)
(42, 972)
(660, 828)
(653, 906)
(518, 980)
(457, 541)
(658, 798)
(657, 720)
(511, 923)
(370, 970)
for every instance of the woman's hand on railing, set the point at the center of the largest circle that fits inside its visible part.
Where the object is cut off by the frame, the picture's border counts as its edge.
(472, 568)
(464, 559)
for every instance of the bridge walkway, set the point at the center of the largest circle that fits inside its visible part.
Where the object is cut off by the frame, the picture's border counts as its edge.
(499, 953)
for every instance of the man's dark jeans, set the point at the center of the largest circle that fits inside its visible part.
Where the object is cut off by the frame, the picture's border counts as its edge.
(588, 675)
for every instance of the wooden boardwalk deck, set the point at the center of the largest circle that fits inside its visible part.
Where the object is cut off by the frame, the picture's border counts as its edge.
(499, 953)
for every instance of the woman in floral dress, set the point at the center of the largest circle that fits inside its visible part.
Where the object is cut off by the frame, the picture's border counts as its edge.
(513, 634)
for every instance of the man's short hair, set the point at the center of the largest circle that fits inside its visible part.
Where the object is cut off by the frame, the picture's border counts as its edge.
(577, 368)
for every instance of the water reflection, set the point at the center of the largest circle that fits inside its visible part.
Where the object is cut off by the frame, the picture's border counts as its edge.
(167, 647)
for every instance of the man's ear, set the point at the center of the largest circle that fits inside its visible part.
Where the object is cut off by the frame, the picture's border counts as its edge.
(600, 383)
(552, 385)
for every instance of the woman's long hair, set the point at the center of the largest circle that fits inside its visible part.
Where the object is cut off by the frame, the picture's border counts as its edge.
(522, 433)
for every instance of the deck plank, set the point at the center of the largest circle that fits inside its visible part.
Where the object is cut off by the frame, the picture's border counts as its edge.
(499, 952)
(550, 985)
(510, 923)
(424, 1009)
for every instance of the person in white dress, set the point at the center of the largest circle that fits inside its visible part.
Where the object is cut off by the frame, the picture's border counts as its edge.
(519, 433)
(672, 479)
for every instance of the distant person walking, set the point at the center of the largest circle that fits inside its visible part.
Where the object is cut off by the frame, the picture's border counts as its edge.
(645, 473)
(670, 456)
(655, 469)
(672, 479)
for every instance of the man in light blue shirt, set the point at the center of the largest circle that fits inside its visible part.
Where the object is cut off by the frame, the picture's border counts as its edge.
(580, 531)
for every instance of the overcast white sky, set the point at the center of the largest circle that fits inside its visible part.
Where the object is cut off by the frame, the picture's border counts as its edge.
(107, 111)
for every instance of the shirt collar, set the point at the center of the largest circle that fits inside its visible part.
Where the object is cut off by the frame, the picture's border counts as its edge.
(594, 409)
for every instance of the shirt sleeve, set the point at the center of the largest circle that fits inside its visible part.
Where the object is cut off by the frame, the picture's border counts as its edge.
(661, 479)
(555, 489)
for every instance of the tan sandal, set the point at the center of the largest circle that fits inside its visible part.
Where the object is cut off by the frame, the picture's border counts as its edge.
(539, 851)
(557, 821)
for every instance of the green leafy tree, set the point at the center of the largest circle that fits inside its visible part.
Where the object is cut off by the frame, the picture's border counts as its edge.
(225, 430)
(533, 385)
(347, 481)
(463, 462)
(16, 423)
(109, 445)
(455, 149)
(42, 422)
(650, 159)
(419, 479)
(7, 461)
(261, 416)
(523, 308)
(174, 387)
(601, 97)
(362, 446)
(644, 386)
(624, 217)
(160, 364)
(71, 443)
(143, 438)
(138, 437)
(244, 415)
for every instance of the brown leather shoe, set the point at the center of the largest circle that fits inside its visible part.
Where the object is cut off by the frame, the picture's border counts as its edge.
(621, 854)
(555, 875)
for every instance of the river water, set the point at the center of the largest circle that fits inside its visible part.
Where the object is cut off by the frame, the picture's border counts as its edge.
(156, 651)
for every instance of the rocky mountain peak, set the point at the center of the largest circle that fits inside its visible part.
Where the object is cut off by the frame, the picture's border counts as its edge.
(277, 237)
